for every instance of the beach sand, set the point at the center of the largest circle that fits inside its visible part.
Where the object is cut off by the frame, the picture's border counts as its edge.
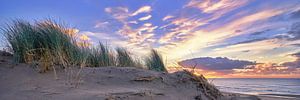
(22, 82)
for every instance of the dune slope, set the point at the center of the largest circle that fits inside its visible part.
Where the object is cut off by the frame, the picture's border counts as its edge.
(23, 82)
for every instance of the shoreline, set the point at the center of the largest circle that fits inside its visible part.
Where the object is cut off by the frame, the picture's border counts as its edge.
(284, 96)
(263, 96)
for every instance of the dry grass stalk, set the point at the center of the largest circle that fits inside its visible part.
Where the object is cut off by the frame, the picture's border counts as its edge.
(44, 60)
(208, 89)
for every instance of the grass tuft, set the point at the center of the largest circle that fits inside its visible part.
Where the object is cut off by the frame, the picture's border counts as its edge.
(204, 86)
(100, 56)
(34, 42)
(155, 62)
(124, 59)
(51, 43)
(46, 42)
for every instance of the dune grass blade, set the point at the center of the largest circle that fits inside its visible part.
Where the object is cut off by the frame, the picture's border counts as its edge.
(155, 62)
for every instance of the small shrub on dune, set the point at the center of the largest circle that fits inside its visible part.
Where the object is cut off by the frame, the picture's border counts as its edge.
(155, 62)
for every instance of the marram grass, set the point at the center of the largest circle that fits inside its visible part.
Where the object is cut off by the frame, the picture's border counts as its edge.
(155, 62)
(50, 43)
(100, 56)
(124, 59)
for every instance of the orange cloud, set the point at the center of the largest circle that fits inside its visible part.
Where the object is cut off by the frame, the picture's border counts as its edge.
(140, 37)
(267, 70)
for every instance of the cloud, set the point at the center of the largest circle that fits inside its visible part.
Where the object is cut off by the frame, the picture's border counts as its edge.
(167, 17)
(237, 68)
(133, 22)
(256, 46)
(119, 13)
(209, 6)
(295, 31)
(295, 15)
(215, 64)
(114, 41)
(144, 9)
(183, 27)
(250, 41)
(122, 13)
(252, 18)
(194, 39)
(296, 44)
(145, 18)
(148, 24)
(136, 37)
(286, 68)
(296, 63)
(101, 24)
(185, 31)
(246, 51)
(141, 36)
(292, 35)
(266, 69)
(116, 9)
(260, 32)
(98, 35)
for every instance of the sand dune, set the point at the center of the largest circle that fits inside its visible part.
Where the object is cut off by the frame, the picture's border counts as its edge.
(22, 82)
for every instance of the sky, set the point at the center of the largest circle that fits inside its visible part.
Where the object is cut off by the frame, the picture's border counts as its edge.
(258, 38)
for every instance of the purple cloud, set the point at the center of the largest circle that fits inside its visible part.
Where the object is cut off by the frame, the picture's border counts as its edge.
(218, 63)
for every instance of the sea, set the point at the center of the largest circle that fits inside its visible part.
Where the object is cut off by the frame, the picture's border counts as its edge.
(258, 86)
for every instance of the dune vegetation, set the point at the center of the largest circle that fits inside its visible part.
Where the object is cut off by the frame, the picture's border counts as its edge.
(50, 43)
(155, 62)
